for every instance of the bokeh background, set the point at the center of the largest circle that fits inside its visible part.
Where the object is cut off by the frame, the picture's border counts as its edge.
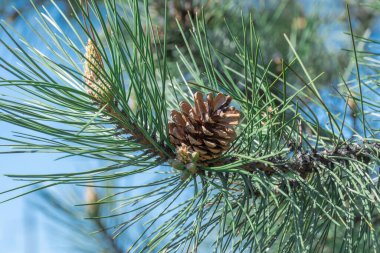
(45, 221)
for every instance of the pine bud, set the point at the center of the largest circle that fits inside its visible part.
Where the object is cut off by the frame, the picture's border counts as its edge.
(352, 104)
(183, 154)
(194, 156)
(176, 164)
(92, 209)
(96, 86)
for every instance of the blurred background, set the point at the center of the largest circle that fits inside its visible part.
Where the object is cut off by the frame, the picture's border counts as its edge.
(50, 220)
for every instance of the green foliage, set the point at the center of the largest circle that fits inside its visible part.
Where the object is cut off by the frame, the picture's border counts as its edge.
(287, 184)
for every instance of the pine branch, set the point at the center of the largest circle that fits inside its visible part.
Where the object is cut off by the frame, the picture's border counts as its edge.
(306, 162)
(234, 174)
(100, 91)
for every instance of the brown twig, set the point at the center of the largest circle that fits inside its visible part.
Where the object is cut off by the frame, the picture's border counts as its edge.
(307, 162)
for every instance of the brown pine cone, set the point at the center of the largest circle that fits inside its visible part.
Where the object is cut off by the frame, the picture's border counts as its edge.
(207, 128)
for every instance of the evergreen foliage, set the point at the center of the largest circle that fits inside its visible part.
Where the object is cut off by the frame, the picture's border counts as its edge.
(287, 183)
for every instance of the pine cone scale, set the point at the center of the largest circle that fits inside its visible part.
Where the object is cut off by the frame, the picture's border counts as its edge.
(206, 131)
(218, 101)
(185, 108)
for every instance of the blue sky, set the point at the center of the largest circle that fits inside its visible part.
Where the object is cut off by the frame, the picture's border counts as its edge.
(23, 228)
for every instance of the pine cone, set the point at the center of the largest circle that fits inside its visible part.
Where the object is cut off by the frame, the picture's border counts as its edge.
(207, 128)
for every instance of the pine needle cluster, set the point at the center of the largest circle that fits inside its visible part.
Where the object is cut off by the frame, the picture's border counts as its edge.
(251, 167)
